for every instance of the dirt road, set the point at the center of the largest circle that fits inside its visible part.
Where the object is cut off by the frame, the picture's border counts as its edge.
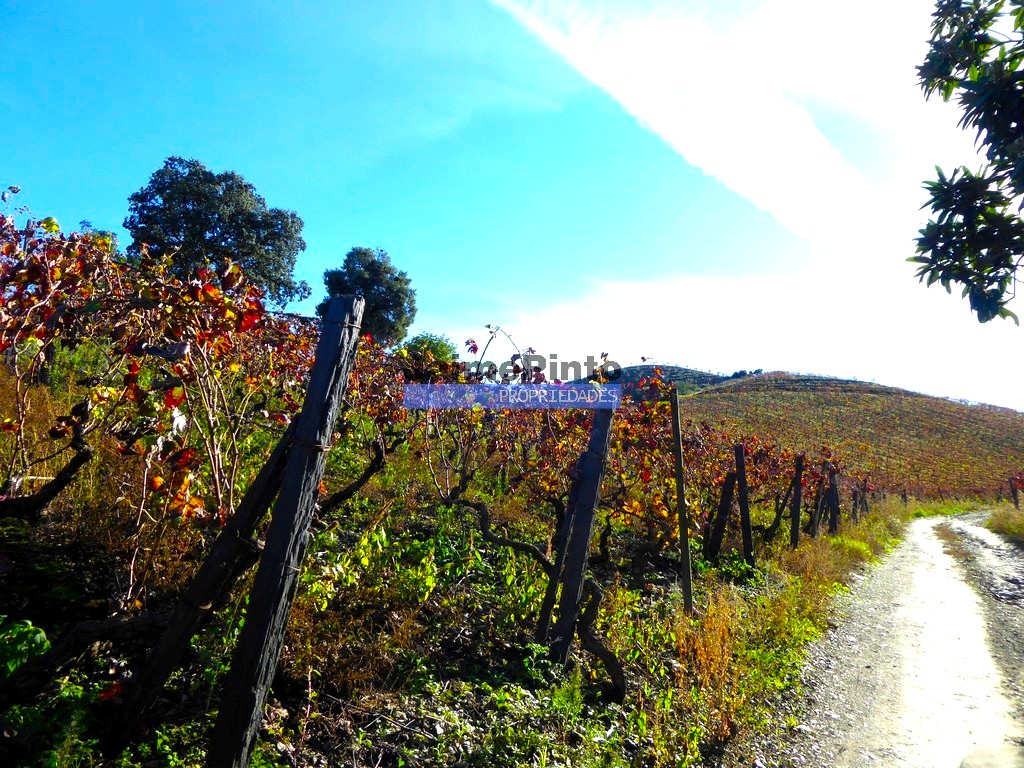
(925, 666)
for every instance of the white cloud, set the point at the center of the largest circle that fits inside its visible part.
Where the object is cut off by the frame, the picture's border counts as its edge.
(735, 89)
(863, 328)
(713, 99)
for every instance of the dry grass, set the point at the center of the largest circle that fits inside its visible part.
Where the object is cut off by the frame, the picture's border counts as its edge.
(1009, 522)
(709, 675)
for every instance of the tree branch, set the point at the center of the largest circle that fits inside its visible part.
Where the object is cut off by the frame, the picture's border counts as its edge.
(31, 507)
(31, 678)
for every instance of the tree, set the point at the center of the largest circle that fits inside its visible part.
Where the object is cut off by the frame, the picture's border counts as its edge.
(201, 218)
(440, 348)
(390, 302)
(99, 236)
(976, 236)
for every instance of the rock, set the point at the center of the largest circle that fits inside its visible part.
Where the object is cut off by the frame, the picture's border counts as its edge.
(1003, 757)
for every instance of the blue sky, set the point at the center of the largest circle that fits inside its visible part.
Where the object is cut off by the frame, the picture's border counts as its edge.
(720, 189)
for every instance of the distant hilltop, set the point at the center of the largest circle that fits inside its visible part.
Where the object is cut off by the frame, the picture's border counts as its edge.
(687, 379)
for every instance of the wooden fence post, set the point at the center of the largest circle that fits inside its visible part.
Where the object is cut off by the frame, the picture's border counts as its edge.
(819, 500)
(833, 501)
(713, 543)
(794, 516)
(577, 545)
(555, 579)
(1015, 494)
(685, 568)
(259, 645)
(744, 499)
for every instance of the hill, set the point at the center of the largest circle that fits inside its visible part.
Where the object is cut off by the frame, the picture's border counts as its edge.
(899, 439)
(687, 379)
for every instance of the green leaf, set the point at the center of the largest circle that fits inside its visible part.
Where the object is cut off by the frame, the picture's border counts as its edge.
(1004, 313)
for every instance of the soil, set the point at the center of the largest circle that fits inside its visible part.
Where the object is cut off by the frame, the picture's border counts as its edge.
(923, 668)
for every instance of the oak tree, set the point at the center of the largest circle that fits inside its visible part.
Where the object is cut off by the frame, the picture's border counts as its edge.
(437, 347)
(201, 218)
(390, 299)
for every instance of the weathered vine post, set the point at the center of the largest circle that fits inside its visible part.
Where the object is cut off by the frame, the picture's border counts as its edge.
(577, 545)
(685, 569)
(716, 531)
(832, 496)
(819, 502)
(744, 498)
(794, 517)
(259, 645)
(547, 606)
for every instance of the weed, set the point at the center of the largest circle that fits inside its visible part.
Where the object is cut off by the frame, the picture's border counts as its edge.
(1009, 522)
(19, 642)
(934, 508)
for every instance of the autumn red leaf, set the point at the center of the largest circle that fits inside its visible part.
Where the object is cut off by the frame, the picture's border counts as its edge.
(135, 393)
(133, 449)
(248, 320)
(174, 397)
(182, 459)
(133, 374)
(194, 507)
(111, 692)
(231, 276)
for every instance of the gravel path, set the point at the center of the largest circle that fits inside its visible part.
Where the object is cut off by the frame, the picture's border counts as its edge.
(909, 677)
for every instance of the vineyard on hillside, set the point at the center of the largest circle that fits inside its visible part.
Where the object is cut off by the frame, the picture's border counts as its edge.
(929, 446)
(139, 410)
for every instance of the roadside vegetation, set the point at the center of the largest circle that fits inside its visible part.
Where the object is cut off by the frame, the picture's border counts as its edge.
(1009, 522)
(945, 508)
